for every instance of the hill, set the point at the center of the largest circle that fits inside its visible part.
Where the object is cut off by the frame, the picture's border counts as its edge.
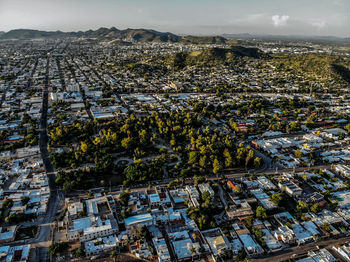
(212, 56)
(322, 67)
(203, 40)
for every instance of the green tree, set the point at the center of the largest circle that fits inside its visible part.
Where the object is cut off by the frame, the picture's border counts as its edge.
(257, 162)
(298, 154)
(80, 252)
(193, 157)
(315, 208)
(261, 212)
(124, 198)
(114, 256)
(83, 147)
(277, 198)
(216, 166)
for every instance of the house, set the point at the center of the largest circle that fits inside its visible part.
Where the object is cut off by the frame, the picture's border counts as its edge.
(16, 253)
(290, 188)
(217, 241)
(194, 195)
(162, 250)
(74, 209)
(264, 199)
(285, 234)
(271, 242)
(205, 187)
(250, 246)
(7, 234)
(240, 210)
(343, 251)
(138, 221)
(101, 245)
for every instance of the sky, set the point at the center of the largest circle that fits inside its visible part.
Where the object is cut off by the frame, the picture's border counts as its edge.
(206, 17)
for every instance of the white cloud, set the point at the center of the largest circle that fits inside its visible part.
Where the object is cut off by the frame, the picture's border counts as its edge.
(319, 24)
(279, 20)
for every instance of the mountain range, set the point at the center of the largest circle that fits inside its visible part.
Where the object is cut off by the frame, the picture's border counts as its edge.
(135, 35)
(149, 35)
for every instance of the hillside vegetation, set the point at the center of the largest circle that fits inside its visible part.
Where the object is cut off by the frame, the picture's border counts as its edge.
(321, 67)
(211, 56)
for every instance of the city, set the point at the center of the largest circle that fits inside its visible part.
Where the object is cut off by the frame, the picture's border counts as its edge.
(139, 145)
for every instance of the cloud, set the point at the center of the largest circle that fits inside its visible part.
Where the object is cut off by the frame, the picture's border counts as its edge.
(279, 20)
(319, 24)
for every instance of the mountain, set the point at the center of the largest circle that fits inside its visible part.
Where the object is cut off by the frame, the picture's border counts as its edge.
(1, 33)
(110, 34)
(29, 33)
(138, 35)
(314, 39)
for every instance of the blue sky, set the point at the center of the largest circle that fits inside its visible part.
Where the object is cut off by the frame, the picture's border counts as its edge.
(302, 17)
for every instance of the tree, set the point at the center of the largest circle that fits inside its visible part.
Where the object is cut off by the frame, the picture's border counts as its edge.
(193, 252)
(192, 157)
(80, 252)
(216, 166)
(326, 226)
(315, 208)
(298, 154)
(257, 162)
(277, 198)
(83, 147)
(58, 247)
(127, 143)
(24, 200)
(114, 256)
(249, 158)
(261, 212)
(228, 158)
(347, 127)
(124, 198)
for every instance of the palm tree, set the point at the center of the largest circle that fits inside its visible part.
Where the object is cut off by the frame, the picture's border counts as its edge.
(114, 256)
(193, 252)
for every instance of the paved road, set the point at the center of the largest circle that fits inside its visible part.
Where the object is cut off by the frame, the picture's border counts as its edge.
(222, 195)
(300, 250)
(44, 237)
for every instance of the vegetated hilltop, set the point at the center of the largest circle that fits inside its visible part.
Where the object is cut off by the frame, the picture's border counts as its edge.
(189, 39)
(321, 67)
(212, 56)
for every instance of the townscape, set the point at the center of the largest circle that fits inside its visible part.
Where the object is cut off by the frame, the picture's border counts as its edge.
(151, 148)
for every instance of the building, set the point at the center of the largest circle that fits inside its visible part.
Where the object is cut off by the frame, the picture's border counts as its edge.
(217, 241)
(343, 251)
(7, 234)
(206, 188)
(88, 228)
(343, 170)
(74, 209)
(101, 245)
(15, 253)
(290, 188)
(263, 198)
(240, 210)
(161, 249)
(250, 246)
(138, 221)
